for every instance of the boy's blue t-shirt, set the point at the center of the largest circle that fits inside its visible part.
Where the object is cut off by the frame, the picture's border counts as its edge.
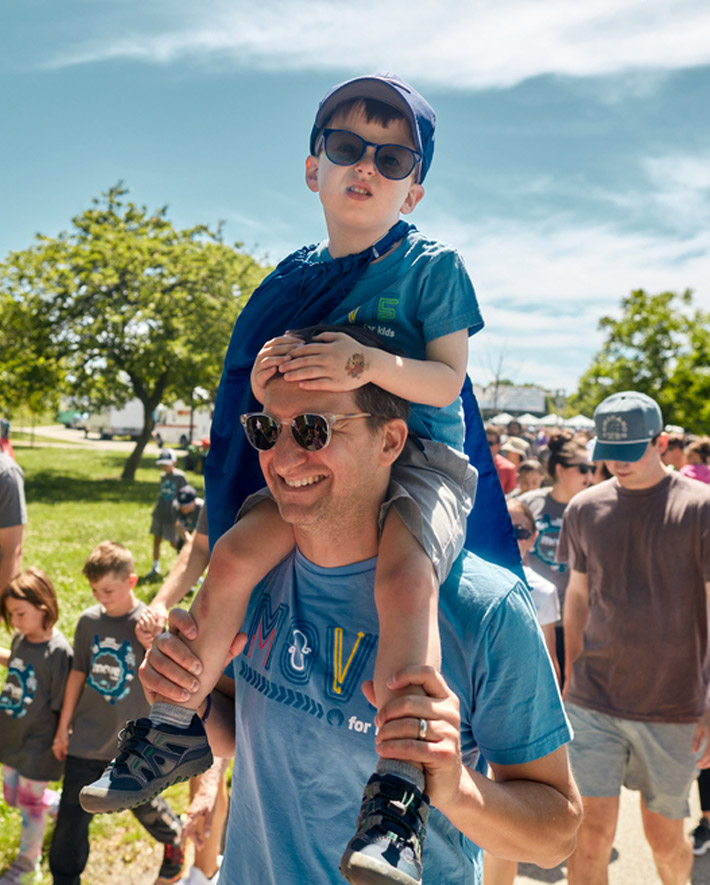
(305, 733)
(418, 292)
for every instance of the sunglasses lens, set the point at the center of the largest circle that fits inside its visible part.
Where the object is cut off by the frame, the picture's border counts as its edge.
(262, 431)
(394, 161)
(310, 431)
(521, 533)
(344, 148)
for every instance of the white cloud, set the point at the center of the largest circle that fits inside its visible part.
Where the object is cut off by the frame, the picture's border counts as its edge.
(543, 290)
(449, 43)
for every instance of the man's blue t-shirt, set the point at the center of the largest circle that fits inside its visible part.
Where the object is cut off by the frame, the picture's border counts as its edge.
(305, 732)
(418, 292)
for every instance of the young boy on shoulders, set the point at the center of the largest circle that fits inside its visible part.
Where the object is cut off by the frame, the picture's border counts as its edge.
(102, 693)
(370, 149)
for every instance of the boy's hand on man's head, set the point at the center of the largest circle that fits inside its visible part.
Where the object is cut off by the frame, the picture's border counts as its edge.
(272, 355)
(332, 361)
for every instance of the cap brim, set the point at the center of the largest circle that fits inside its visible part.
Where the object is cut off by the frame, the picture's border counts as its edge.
(614, 451)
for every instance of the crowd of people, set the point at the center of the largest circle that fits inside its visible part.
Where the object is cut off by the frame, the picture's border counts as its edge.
(395, 705)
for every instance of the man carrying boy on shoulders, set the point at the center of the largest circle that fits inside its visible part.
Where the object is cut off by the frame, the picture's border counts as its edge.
(311, 632)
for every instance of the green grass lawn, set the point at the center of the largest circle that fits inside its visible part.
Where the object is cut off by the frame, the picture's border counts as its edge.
(75, 500)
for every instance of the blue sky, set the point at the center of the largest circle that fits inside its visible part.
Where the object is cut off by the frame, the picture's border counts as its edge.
(573, 140)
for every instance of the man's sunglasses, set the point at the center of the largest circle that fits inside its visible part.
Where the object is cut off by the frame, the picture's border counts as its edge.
(311, 431)
(522, 533)
(345, 148)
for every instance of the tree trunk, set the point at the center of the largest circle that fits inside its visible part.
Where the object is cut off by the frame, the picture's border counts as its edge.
(134, 459)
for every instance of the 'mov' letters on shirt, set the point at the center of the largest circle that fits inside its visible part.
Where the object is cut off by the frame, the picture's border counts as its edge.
(300, 655)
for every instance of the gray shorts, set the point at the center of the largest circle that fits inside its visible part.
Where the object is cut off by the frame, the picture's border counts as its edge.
(164, 529)
(653, 758)
(432, 488)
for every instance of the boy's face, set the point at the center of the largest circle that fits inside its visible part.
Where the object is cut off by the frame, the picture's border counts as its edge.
(167, 468)
(114, 592)
(358, 200)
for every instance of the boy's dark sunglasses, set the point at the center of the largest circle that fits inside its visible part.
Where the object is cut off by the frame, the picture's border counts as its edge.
(345, 148)
(311, 431)
(522, 533)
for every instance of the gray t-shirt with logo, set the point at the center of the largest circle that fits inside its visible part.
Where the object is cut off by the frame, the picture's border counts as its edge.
(542, 558)
(107, 652)
(30, 703)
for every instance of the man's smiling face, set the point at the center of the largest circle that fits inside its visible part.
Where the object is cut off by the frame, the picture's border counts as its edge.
(336, 490)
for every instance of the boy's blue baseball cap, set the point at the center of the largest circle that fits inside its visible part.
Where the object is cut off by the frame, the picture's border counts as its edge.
(392, 90)
(625, 423)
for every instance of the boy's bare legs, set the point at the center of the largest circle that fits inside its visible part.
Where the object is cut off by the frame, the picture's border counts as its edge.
(387, 845)
(407, 600)
(240, 559)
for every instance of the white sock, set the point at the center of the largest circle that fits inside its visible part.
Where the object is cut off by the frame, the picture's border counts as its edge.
(162, 713)
(156, 565)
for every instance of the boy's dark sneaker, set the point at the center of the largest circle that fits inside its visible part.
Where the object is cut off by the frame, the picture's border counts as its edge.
(173, 864)
(391, 826)
(151, 758)
(701, 837)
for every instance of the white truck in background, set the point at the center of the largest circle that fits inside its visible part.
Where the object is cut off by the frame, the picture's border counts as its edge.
(174, 425)
(179, 424)
(112, 421)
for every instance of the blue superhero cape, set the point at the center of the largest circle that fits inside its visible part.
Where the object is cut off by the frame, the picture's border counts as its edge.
(300, 292)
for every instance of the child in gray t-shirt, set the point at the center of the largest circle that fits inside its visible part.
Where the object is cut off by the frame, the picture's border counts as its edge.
(102, 693)
(38, 663)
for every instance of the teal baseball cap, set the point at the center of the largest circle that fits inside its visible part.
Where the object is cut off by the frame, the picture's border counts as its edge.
(625, 423)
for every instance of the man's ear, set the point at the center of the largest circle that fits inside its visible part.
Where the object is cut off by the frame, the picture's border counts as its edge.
(393, 440)
(662, 442)
(133, 578)
(312, 173)
(414, 195)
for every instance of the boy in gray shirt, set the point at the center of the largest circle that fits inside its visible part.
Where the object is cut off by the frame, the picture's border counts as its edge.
(102, 693)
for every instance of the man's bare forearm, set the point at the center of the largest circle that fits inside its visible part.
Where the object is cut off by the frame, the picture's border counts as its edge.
(521, 818)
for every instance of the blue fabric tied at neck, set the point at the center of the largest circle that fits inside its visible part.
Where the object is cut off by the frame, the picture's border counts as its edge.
(301, 291)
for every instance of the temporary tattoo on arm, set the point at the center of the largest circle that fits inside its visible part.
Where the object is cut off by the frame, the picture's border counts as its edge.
(356, 365)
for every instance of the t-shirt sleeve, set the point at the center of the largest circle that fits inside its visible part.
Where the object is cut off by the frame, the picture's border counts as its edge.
(447, 300)
(12, 499)
(82, 649)
(61, 663)
(569, 546)
(201, 527)
(517, 712)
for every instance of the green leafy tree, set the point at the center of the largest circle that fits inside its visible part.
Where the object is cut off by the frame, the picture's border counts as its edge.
(125, 305)
(660, 346)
